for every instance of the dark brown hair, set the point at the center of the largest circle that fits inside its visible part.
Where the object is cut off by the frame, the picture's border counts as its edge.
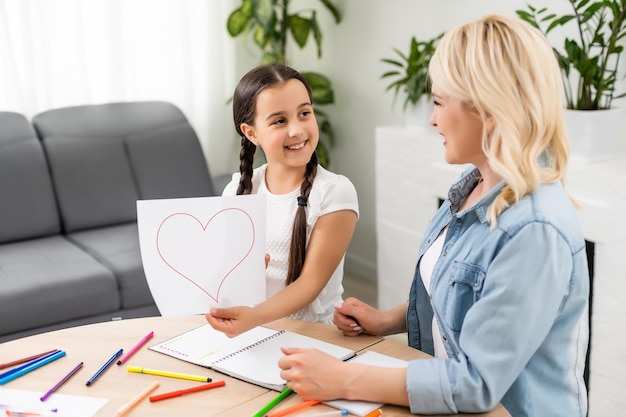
(244, 111)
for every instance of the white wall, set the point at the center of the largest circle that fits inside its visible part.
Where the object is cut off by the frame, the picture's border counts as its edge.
(351, 58)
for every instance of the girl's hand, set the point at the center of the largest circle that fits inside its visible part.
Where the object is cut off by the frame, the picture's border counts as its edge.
(354, 317)
(232, 321)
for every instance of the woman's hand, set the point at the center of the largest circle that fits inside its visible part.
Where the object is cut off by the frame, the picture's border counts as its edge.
(315, 375)
(307, 373)
(232, 321)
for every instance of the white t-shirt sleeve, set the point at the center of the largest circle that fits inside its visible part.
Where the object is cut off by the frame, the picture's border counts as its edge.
(231, 187)
(332, 192)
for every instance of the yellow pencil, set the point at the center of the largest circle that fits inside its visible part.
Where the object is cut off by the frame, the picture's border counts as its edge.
(167, 374)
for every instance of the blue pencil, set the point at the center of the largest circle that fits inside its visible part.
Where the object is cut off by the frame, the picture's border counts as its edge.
(32, 367)
(27, 364)
(104, 367)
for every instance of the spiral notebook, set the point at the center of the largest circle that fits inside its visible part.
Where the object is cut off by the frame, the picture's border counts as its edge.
(252, 356)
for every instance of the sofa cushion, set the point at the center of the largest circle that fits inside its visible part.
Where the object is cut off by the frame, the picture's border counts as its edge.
(117, 247)
(168, 162)
(93, 181)
(105, 157)
(27, 206)
(50, 280)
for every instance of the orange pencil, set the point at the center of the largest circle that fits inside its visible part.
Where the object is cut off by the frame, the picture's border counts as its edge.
(180, 392)
(374, 413)
(291, 409)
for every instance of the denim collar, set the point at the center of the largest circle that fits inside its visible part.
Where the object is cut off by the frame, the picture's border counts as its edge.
(462, 188)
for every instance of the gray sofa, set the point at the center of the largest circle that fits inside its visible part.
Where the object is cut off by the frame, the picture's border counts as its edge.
(69, 182)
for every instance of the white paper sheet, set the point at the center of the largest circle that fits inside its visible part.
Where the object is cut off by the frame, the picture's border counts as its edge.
(203, 252)
(59, 405)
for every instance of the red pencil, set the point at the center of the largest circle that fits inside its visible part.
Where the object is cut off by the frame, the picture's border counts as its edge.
(178, 393)
(23, 360)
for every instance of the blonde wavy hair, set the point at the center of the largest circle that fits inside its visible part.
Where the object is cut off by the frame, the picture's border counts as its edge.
(506, 70)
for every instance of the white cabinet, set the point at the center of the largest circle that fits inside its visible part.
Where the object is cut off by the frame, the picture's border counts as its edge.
(411, 177)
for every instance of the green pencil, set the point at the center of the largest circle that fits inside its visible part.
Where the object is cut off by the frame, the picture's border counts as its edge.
(273, 403)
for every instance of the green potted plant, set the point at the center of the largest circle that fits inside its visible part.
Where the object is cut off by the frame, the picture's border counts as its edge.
(271, 23)
(409, 76)
(589, 63)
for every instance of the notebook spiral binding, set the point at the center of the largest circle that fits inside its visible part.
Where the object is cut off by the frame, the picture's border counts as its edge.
(265, 339)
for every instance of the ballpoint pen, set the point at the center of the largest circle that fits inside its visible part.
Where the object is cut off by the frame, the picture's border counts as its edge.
(168, 374)
(61, 382)
(104, 367)
(180, 392)
(135, 348)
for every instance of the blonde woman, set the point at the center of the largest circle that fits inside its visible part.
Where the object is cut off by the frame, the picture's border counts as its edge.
(500, 291)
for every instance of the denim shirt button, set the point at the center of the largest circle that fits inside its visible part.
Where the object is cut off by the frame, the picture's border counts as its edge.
(444, 338)
(458, 220)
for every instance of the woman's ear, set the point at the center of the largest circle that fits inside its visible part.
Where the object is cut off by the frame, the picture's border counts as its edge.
(490, 124)
(250, 133)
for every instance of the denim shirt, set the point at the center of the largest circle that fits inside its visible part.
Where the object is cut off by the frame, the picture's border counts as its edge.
(511, 305)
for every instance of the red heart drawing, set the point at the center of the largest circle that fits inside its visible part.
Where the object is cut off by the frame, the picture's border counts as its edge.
(206, 254)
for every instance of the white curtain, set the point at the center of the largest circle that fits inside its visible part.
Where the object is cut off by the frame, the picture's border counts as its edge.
(57, 53)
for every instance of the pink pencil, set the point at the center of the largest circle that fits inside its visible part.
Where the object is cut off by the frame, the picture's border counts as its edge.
(135, 348)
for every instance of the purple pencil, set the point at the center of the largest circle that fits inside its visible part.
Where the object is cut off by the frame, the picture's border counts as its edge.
(61, 382)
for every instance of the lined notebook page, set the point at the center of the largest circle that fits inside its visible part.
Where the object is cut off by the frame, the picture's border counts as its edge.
(259, 363)
(362, 408)
(252, 356)
(204, 345)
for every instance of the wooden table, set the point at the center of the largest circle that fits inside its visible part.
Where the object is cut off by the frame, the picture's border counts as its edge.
(94, 344)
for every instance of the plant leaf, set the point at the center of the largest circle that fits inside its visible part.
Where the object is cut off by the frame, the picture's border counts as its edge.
(321, 88)
(237, 22)
(265, 14)
(300, 28)
(331, 7)
(317, 34)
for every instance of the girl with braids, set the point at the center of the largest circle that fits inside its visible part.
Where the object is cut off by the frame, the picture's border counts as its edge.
(311, 212)
(500, 292)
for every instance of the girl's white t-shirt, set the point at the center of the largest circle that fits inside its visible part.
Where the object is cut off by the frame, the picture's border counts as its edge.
(330, 192)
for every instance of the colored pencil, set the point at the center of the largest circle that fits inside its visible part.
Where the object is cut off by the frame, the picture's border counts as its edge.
(180, 392)
(23, 360)
(168, 374)
(135, 348)
(125, 408)
(32, 367)
(286, 392)
(293, 408)
(104, 367)
(61, 382)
